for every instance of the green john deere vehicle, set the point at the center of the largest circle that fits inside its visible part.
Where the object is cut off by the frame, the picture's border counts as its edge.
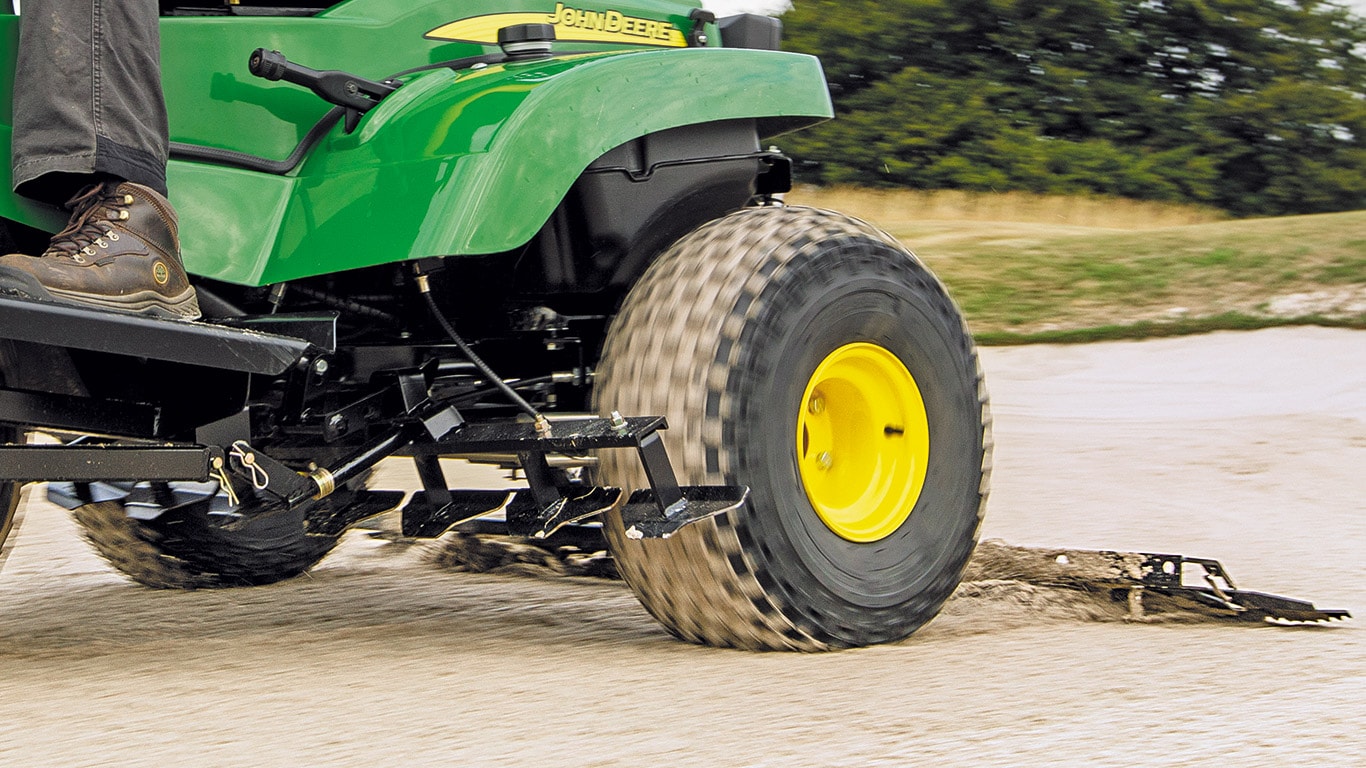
(511, 230)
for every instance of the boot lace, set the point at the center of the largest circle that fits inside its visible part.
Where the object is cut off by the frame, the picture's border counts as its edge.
(89, 229)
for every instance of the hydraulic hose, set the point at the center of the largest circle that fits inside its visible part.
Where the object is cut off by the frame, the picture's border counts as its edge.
(182, 151)
(542, 423)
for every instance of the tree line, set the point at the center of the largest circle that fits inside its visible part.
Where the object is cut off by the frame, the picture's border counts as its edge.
(1257, 107)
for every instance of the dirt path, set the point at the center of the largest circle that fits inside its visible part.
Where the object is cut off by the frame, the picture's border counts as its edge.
(1245, 447)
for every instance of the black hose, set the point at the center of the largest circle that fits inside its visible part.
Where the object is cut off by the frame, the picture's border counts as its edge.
(338, 302)
(455, 64)
(479, 394)
(182, 151)
(479, 363)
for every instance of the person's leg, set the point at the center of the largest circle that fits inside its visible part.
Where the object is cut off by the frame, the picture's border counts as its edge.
(90, 129)
(87, 97)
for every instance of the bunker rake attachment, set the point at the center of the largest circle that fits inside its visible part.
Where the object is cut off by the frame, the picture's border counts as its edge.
(1148, 583)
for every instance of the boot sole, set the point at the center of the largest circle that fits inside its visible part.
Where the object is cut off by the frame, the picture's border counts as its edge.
(184, 306)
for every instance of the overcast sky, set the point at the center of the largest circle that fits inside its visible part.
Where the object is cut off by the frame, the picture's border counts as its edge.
(727, 7)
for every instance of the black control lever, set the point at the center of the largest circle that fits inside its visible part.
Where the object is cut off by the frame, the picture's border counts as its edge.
(355, 93)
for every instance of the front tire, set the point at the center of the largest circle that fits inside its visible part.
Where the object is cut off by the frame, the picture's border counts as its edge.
(809, 356)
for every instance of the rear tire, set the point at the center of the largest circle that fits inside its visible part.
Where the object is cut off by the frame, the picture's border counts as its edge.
(188, 550)
(184, 549)
(732, 335)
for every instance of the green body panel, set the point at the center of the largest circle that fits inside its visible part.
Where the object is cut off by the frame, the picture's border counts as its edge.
(475, 162)
(208, 87)
(454, 162)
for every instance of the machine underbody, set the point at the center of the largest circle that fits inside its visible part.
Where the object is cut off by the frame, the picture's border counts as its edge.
(141, 464)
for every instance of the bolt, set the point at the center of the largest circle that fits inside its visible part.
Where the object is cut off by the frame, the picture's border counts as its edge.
(825, 460)
(618, 421)
(817, 404)
(320, 366)
(337, 423)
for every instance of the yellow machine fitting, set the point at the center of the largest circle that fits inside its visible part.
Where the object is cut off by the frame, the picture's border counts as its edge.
(325, 481)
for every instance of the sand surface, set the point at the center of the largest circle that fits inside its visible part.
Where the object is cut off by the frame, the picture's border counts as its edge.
(1247, 447)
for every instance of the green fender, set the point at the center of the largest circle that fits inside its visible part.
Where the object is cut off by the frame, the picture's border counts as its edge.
(472, 162)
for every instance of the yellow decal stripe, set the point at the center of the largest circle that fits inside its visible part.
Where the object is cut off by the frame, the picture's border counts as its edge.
(484, 29)
(571, 25)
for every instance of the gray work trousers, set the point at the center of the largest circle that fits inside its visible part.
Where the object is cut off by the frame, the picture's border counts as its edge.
(87, 97)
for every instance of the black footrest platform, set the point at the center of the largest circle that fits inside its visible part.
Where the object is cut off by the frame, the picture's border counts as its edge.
(179, 341)
(642, 519)
(421, 519)
(527, 518)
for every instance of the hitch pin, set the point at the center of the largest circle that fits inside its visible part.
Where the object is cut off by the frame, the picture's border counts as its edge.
(224, 481)
(241, 451)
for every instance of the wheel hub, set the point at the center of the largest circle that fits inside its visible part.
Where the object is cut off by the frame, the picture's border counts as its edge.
(863, 442)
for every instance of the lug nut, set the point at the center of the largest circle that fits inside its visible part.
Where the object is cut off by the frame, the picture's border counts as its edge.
(817, 404)
(825, 460)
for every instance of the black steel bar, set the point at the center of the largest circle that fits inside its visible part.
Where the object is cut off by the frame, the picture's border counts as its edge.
(357, 463)
(318, 328)
(177, 341)
(540, 477)
(661, 473)
(567, 436)
(433, 480)
(79, 414)
(111, 462)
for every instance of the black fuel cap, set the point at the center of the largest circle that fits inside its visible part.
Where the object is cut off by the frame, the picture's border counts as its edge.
(524, 41)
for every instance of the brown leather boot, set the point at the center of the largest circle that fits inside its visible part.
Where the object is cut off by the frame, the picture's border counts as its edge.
(120, 251)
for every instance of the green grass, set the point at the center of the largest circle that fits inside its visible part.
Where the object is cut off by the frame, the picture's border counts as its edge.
(1037, 280)
(1151, 330)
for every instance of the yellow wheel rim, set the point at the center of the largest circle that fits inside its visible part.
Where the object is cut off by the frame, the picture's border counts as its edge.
(863, 442)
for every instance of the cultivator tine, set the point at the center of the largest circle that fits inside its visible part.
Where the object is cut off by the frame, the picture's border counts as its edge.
(526, 517)
(642, 518)
(327, 519)
(426, 517)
